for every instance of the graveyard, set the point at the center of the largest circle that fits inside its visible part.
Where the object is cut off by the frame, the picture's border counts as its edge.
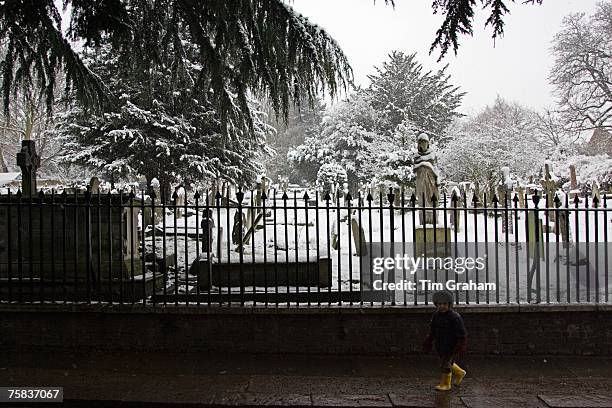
(306, 203)
(266, 246)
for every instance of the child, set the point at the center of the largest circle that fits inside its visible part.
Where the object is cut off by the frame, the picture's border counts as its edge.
(446, 329)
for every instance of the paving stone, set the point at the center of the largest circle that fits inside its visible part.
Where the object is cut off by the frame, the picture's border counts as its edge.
(577, 401)
(340, 400)
(261, 399)
(437, 400)
(505, 402)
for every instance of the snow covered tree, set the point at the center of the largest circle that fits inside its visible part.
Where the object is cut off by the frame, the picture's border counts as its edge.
(582, 72)
(251, 44)
(161, 127)
(504, 134)
(243, 46)
(419, 100)
(348, 133)
(372, 133)
(304, 122)
(29, 121)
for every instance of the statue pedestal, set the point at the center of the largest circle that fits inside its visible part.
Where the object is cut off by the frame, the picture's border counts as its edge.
(432, 240)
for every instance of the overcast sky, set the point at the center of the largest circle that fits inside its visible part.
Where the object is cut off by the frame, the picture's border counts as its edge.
(516, 68)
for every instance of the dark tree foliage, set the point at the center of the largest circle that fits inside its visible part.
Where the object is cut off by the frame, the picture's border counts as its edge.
(458, 17)
(260, 46)
(245, 46)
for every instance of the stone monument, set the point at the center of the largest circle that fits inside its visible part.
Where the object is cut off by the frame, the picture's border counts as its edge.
(574, 191)
(29, 161)
(428, 195)
(427, 183)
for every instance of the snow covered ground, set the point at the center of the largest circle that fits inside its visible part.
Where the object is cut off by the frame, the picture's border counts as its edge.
(299, 234)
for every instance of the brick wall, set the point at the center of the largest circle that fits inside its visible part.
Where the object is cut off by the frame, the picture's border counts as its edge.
(529, 329)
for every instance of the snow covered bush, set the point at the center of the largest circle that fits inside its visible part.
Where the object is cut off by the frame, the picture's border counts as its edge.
(331, 176)
(347, 137)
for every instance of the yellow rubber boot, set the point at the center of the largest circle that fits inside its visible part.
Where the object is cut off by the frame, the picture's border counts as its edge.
(445, 382)
(458, 373)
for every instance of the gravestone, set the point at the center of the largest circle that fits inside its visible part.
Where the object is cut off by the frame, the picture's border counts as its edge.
(94, 185)
(573, 183)
(520, 192)
(180, 201)
(397, 195)
(28, 161)
(455, 204)
(98, 252)
(504, 189)
(238, 228)
(469, 194)
(334, 237)
(207, 224)
(359, 238)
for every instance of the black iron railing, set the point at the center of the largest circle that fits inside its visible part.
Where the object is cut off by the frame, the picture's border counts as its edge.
(302, 248)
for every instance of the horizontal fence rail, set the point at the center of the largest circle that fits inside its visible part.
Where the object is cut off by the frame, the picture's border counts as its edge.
(286, 249)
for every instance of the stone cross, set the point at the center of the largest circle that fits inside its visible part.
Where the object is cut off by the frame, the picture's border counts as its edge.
(28, 161)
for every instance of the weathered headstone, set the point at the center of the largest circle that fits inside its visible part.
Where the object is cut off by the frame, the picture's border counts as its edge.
(94, 185)
(573, 181)
(520, 192)
(397, 194)
(180, 202)
(238, 228)
(455, 203)
(28, 161)
(207, 224)
(359, 238)
(334, 237)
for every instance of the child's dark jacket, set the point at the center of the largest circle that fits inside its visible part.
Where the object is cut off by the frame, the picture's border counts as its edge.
(448, 331)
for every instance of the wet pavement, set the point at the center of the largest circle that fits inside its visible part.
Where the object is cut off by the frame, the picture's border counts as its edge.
(112, 379)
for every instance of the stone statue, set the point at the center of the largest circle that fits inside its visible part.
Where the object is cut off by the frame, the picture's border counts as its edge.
(427, 180)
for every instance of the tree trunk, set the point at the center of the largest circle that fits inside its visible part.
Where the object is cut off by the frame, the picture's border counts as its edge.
(3, 166)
